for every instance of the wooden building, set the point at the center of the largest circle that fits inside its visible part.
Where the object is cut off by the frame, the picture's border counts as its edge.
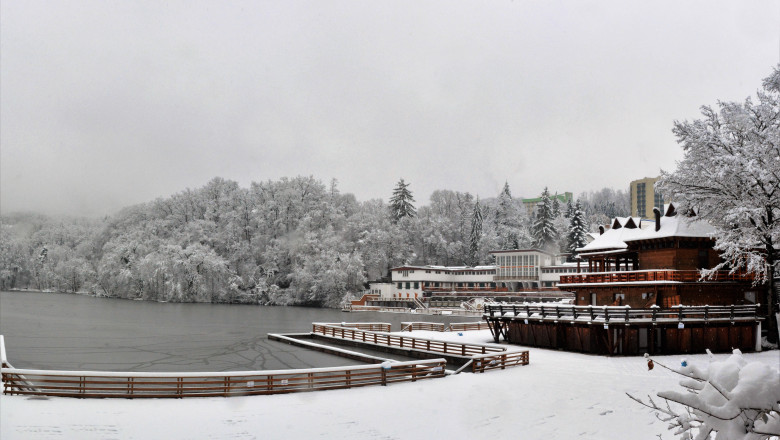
(642, 263)
(644, 293)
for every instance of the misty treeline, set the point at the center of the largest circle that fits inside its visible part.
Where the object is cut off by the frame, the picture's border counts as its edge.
(294, 241)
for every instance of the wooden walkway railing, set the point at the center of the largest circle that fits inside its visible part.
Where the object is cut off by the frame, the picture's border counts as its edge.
(178, 385)
(482, 363)
(426, 326)
(688, 276)
(606, 314)
(370, 326)
(467, 326)
(414, 343)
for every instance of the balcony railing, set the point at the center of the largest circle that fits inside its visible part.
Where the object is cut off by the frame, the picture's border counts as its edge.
(687, 276)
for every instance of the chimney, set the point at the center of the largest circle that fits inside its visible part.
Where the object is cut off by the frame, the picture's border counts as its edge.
(657, 213)
(601, 230)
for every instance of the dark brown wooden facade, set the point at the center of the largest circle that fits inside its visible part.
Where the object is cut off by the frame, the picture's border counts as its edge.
(627, 331)
(644, 273)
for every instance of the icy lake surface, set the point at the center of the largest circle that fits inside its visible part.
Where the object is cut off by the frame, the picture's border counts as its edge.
(75, 332)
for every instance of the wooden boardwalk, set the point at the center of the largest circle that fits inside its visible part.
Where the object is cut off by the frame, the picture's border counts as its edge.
(625, 330)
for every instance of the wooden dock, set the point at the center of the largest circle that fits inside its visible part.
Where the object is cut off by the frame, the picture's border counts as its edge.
(628, 331)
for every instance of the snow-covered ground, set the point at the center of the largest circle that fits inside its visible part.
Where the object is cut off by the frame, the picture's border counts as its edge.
(559, 395)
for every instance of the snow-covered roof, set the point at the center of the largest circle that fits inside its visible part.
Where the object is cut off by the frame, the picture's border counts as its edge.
(678, 226)
(615, 238)
(444, 268)
(628, 229)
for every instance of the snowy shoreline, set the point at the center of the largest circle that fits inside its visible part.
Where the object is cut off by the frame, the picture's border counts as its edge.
(559, 395)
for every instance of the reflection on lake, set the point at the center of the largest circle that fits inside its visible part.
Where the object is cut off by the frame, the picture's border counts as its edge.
(75, 332)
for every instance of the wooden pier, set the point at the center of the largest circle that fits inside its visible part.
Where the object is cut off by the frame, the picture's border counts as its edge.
(625, 330)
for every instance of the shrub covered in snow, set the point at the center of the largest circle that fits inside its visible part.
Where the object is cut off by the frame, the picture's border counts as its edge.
(725, 400)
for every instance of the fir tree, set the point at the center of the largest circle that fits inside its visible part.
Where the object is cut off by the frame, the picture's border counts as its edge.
(401, 202)
(556, 203)
(578, 229)
(476, 234)
(507, 220)
(544, 231)
(569, 209)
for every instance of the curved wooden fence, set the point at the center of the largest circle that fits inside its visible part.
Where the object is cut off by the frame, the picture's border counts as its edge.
(178, 385)
(409, 342)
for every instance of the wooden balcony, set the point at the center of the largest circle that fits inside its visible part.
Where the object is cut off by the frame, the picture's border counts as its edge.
(683, 276)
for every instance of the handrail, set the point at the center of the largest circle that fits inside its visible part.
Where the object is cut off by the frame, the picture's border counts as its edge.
(495, 361)
(407, 342)
(419, 325)
(623, 313)
(652, 275)
(177, 385)
(372, 326)
(467, 326)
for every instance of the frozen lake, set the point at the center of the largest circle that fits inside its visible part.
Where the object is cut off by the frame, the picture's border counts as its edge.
(75, 332)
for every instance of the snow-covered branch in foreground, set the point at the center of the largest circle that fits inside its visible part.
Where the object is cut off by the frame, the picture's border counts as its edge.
(732, 399)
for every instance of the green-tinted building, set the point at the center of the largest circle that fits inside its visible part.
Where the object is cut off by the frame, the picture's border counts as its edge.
(530, 204)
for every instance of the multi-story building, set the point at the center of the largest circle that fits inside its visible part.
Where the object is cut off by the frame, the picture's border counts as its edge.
(644, 198)
(530, 204)
(518, 269)
(411, 281)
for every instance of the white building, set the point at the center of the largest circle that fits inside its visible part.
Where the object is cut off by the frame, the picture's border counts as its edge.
(550, 276)
(411, 281)
(518, 269)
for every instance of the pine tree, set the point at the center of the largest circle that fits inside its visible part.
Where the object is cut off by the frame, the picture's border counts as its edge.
(556, 206)
(401, 202)
(569, 209)
(578, 229)
(476, 235)
(507, 221)
(544, 231)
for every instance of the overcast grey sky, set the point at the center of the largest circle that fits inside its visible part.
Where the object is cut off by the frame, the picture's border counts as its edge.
(107, 104)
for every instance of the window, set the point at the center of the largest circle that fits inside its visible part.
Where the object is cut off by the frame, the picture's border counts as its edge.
(399, 285)
(416, 284)
(407, 284)
(640, 199)
(658, 201)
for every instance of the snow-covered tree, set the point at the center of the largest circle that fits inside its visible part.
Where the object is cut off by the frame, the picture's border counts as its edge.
(733, 399)
(730, 176)
(569, 209)
(476, 234)
(509, 222)
(578, 229)
(543, 230)
(401, 202)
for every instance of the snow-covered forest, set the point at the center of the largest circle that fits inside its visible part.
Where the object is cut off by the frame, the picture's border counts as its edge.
(294, 241)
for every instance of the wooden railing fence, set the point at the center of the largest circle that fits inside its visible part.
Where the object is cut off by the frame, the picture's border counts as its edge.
(414, 343)
(651, 275)
(467, 326)
(482, 363)
(370, 326)
(624, 313)
(178, 385)
(426, 326)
